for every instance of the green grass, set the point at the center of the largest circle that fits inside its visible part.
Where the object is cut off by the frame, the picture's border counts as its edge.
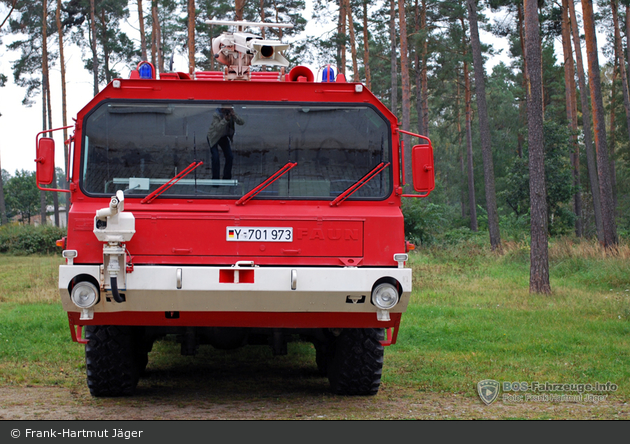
(35, 346)
(29, 279)
(471, 317)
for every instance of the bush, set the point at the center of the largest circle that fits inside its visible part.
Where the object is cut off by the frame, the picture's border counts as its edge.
(423, 220)
(28, 239)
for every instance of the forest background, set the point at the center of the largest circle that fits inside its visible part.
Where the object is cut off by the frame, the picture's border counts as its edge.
(425, 61)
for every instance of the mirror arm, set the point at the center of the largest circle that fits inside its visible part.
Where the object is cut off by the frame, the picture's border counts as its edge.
(59, 190)
(50, 131)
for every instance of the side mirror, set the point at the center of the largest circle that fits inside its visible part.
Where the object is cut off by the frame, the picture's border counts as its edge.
(423, 172)
(45, 161)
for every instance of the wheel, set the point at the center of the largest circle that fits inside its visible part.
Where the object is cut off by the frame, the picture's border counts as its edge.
(112, 360)
(356, 362)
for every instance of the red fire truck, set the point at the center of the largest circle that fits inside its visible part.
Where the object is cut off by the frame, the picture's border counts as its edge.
(235, 206)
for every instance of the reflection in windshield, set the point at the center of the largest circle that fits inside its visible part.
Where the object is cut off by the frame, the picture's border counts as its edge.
(138, 147)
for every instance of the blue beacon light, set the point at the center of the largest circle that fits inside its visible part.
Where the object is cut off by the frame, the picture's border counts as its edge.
(145, 70)
(328, 74)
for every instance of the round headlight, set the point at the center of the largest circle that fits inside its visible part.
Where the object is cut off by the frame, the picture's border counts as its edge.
(385, 296)
(84, 294)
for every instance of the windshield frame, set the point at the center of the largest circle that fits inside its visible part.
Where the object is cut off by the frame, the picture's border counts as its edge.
(389, 171)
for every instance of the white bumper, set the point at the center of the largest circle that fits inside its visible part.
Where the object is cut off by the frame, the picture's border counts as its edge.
(267, 289)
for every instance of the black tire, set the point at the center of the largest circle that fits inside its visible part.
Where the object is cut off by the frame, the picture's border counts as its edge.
(356, 362)
(111, 357)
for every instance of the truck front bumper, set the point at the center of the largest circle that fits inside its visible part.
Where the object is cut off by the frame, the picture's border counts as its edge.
(260, 296)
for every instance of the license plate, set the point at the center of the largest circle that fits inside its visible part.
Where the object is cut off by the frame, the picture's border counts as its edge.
(259, 234)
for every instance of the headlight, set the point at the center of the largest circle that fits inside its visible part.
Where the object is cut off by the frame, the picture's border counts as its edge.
(385, 296)
(84, 294)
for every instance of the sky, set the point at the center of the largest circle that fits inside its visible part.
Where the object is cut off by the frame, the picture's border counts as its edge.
(19, 124)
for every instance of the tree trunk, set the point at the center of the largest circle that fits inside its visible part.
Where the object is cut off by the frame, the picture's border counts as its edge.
(424, 81)
(46, 92)
(613, 125)
(158, 42)
(93, 44)
(628, 32)
(154, 24)
(406, 89)
(366, 47)
(143, 37)
(157, 56)
(342, 37)
(469, 149)
(418, 74)
(42, 194)
(55, 195)
(394, 58)
(191, 36)
(353, 46)
(462, 170)
(239, 9)
(571, 105)
(586, 126)
(3, 207)
(484, 129)
(599, 126)
(522, 109)
(105, 45)
(13, 3)
(472, 201)
(622, 64)
(262, 18)
(462, 197)
(539, 254)
(64, 102)
(280, 30)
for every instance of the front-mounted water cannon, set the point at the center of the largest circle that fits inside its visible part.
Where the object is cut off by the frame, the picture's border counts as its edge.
(239, 50)
(115, 227)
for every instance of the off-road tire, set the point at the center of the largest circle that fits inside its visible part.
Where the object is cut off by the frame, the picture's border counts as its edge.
(111, 357)
(356, 362)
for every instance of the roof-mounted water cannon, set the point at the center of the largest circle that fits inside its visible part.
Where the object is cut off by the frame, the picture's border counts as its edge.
(239, 50)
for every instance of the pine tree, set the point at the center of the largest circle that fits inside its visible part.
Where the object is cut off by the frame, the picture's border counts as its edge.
(599, 124)
(484, 129)
(539, 255)
(571, 109)
(586, 125)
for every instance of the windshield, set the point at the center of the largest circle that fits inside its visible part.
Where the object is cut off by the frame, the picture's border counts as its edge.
(138, 147)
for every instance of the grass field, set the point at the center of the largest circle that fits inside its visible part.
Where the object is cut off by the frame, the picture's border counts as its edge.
(471, 318)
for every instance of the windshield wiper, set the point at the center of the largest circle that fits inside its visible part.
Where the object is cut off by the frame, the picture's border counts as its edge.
(359, 183)
(151, 197)
(275, 176)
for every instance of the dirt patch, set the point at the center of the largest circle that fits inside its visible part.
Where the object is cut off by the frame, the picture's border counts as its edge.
(251, 384)
(181, 403)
